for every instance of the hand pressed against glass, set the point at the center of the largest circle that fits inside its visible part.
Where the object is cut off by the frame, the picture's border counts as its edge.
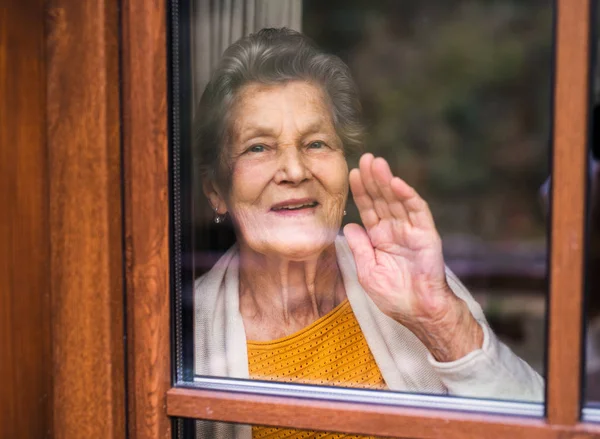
(400, 263)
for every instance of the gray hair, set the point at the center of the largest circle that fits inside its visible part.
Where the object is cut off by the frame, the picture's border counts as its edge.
(270, 57)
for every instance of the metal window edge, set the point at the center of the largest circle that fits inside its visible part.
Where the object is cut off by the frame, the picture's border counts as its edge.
(397, 399)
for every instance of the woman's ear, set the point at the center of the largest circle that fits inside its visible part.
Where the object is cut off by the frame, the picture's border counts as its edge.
(213, 194)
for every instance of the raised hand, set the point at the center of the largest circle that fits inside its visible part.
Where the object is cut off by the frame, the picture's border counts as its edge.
(400, 263)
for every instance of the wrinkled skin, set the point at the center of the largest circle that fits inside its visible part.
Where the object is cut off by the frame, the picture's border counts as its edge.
(284, 147)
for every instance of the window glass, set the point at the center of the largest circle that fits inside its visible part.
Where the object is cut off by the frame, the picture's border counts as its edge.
(423, 270)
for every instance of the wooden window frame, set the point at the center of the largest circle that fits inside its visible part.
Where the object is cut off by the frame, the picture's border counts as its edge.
(151, 399)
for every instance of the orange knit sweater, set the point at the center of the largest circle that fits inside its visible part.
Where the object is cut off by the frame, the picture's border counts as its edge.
(331, 351)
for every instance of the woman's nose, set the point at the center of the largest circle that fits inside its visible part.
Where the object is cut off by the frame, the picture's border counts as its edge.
(292, 167)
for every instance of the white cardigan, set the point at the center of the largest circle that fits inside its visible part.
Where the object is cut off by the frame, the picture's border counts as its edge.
(493, 371)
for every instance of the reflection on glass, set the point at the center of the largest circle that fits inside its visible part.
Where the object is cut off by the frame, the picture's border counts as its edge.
(338, 277)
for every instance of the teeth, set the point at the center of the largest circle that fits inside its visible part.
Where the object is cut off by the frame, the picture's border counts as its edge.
(297, 206)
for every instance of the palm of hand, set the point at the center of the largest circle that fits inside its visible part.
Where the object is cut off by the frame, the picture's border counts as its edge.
(399, 255)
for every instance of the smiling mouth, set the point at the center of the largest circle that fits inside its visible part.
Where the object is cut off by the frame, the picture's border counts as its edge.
(297, 206)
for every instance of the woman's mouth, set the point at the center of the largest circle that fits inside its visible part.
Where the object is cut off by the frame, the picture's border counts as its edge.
(294, 206)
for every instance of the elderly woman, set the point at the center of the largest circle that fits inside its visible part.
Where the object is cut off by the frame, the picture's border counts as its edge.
(294, 300)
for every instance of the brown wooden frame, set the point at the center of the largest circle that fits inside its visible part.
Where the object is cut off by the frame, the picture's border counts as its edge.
(146, 173)
(146, 210)
(84, 194)
(61, 287)
(25, 317)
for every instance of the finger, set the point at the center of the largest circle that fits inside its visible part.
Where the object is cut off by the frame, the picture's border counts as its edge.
(383, 177)
(363, 201)
(362, 249)
(366, 175)
(418, 211)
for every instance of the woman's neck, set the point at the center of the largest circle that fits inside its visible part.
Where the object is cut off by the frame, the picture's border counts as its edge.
(279, 297)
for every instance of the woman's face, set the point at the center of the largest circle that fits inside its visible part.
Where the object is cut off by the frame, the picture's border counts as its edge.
(289, 180)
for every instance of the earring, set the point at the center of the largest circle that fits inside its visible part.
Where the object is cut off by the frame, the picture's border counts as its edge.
(345, 212)
(218, 219)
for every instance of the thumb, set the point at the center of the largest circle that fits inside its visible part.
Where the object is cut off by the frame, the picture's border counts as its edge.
(361, 247)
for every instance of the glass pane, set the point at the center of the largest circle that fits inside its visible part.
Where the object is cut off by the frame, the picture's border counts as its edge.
(272, 284)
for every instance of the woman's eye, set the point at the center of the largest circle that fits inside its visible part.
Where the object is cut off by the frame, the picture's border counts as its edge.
(316, 145)
(256, 148)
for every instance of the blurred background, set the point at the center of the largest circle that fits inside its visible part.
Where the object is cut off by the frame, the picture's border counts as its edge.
(457, 96)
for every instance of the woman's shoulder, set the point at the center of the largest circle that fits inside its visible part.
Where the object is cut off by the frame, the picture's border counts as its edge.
(216, 274)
